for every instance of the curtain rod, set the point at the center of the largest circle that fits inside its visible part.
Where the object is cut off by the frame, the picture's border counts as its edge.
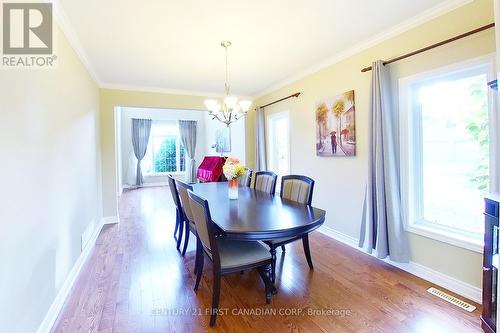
(430, 47)
(281, 99)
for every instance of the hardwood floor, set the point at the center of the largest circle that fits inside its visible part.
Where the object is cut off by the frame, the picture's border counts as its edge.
(136, 281)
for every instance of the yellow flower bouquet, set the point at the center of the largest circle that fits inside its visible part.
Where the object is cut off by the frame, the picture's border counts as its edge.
(233, 170)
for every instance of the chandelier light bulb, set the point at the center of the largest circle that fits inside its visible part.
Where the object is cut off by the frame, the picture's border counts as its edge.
(236, 108)
(217, 108)
(230, 101)
(211, 104)
(245, 105)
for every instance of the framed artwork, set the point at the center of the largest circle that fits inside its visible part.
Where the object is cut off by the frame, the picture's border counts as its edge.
(223, 140)
(336, 126)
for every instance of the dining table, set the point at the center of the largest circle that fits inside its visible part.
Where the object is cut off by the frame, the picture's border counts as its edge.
(257, 215)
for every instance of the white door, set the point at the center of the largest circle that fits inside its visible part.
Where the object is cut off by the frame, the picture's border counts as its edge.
(279, 145)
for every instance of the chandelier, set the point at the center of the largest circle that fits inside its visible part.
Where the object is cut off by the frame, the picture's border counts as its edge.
(229, 109)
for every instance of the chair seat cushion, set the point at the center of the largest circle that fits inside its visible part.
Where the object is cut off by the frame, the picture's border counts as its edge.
(235, 254)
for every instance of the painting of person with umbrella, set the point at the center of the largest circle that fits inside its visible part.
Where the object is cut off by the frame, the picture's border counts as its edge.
(335, 122)
(333, 139)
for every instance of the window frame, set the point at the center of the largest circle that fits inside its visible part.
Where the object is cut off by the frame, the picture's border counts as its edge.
(410, 151)
(177, 154)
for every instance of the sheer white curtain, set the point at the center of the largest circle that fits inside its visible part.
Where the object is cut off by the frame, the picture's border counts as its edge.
(382, 228)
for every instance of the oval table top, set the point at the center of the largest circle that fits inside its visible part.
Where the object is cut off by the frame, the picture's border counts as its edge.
(256, 215)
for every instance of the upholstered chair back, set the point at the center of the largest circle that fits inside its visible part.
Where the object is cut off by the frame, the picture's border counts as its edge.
(265, 181)
(246, 178)
(201, 216)
(173, 191)
(183, 188)
(297, 188)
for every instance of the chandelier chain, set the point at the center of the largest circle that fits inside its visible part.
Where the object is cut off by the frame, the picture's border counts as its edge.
(227, 70)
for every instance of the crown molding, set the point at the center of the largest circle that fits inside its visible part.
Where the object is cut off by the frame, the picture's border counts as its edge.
(396, 30)
(67, 29)
(160, 90)
(439, 10)
(151, 89)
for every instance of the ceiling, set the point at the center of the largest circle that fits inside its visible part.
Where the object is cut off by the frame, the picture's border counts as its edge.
(175, 44)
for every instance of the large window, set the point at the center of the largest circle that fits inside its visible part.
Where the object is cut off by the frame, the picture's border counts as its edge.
(445, 152)
(165, 153)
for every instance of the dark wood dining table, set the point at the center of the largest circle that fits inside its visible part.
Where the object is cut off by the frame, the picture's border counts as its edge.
(257, 215)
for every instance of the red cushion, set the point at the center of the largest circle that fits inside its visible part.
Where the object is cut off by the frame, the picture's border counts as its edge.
(210, 169)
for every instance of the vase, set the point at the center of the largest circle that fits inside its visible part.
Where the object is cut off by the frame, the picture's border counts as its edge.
(233, 189)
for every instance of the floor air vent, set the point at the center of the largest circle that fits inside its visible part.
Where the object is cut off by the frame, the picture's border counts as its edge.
(451, 299)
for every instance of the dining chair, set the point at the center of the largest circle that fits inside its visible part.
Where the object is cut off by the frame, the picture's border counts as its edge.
(178, 211)
(227, 256)
(299, 189)
(246, 178)
(265, 181)
(187, 215)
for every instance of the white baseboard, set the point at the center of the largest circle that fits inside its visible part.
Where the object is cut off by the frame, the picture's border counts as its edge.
(110, 220)
(65, 290)
(464, 289)
(133, 187)
(343, 238)
(87, 235)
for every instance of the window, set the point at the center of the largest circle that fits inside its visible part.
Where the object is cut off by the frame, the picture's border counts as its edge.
(279, 145)
(165, 153)
(445, 152)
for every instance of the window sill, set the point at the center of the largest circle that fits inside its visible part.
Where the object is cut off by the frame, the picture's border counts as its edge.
(164, 174)
(468, 243)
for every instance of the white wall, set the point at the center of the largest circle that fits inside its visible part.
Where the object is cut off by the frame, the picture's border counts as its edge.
(118, 149)
(50, 193)
(128, 163)
(237, 130)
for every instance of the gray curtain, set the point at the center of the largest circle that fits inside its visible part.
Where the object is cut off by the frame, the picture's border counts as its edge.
(382, 227)
(187, 129)
(140, 137)
(260, 140)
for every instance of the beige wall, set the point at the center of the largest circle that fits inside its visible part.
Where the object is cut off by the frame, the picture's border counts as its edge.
(50, 191)
(341, 181)
(109, 99)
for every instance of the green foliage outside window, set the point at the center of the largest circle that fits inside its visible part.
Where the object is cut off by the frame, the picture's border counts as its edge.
(165, 159)
(478, 129)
